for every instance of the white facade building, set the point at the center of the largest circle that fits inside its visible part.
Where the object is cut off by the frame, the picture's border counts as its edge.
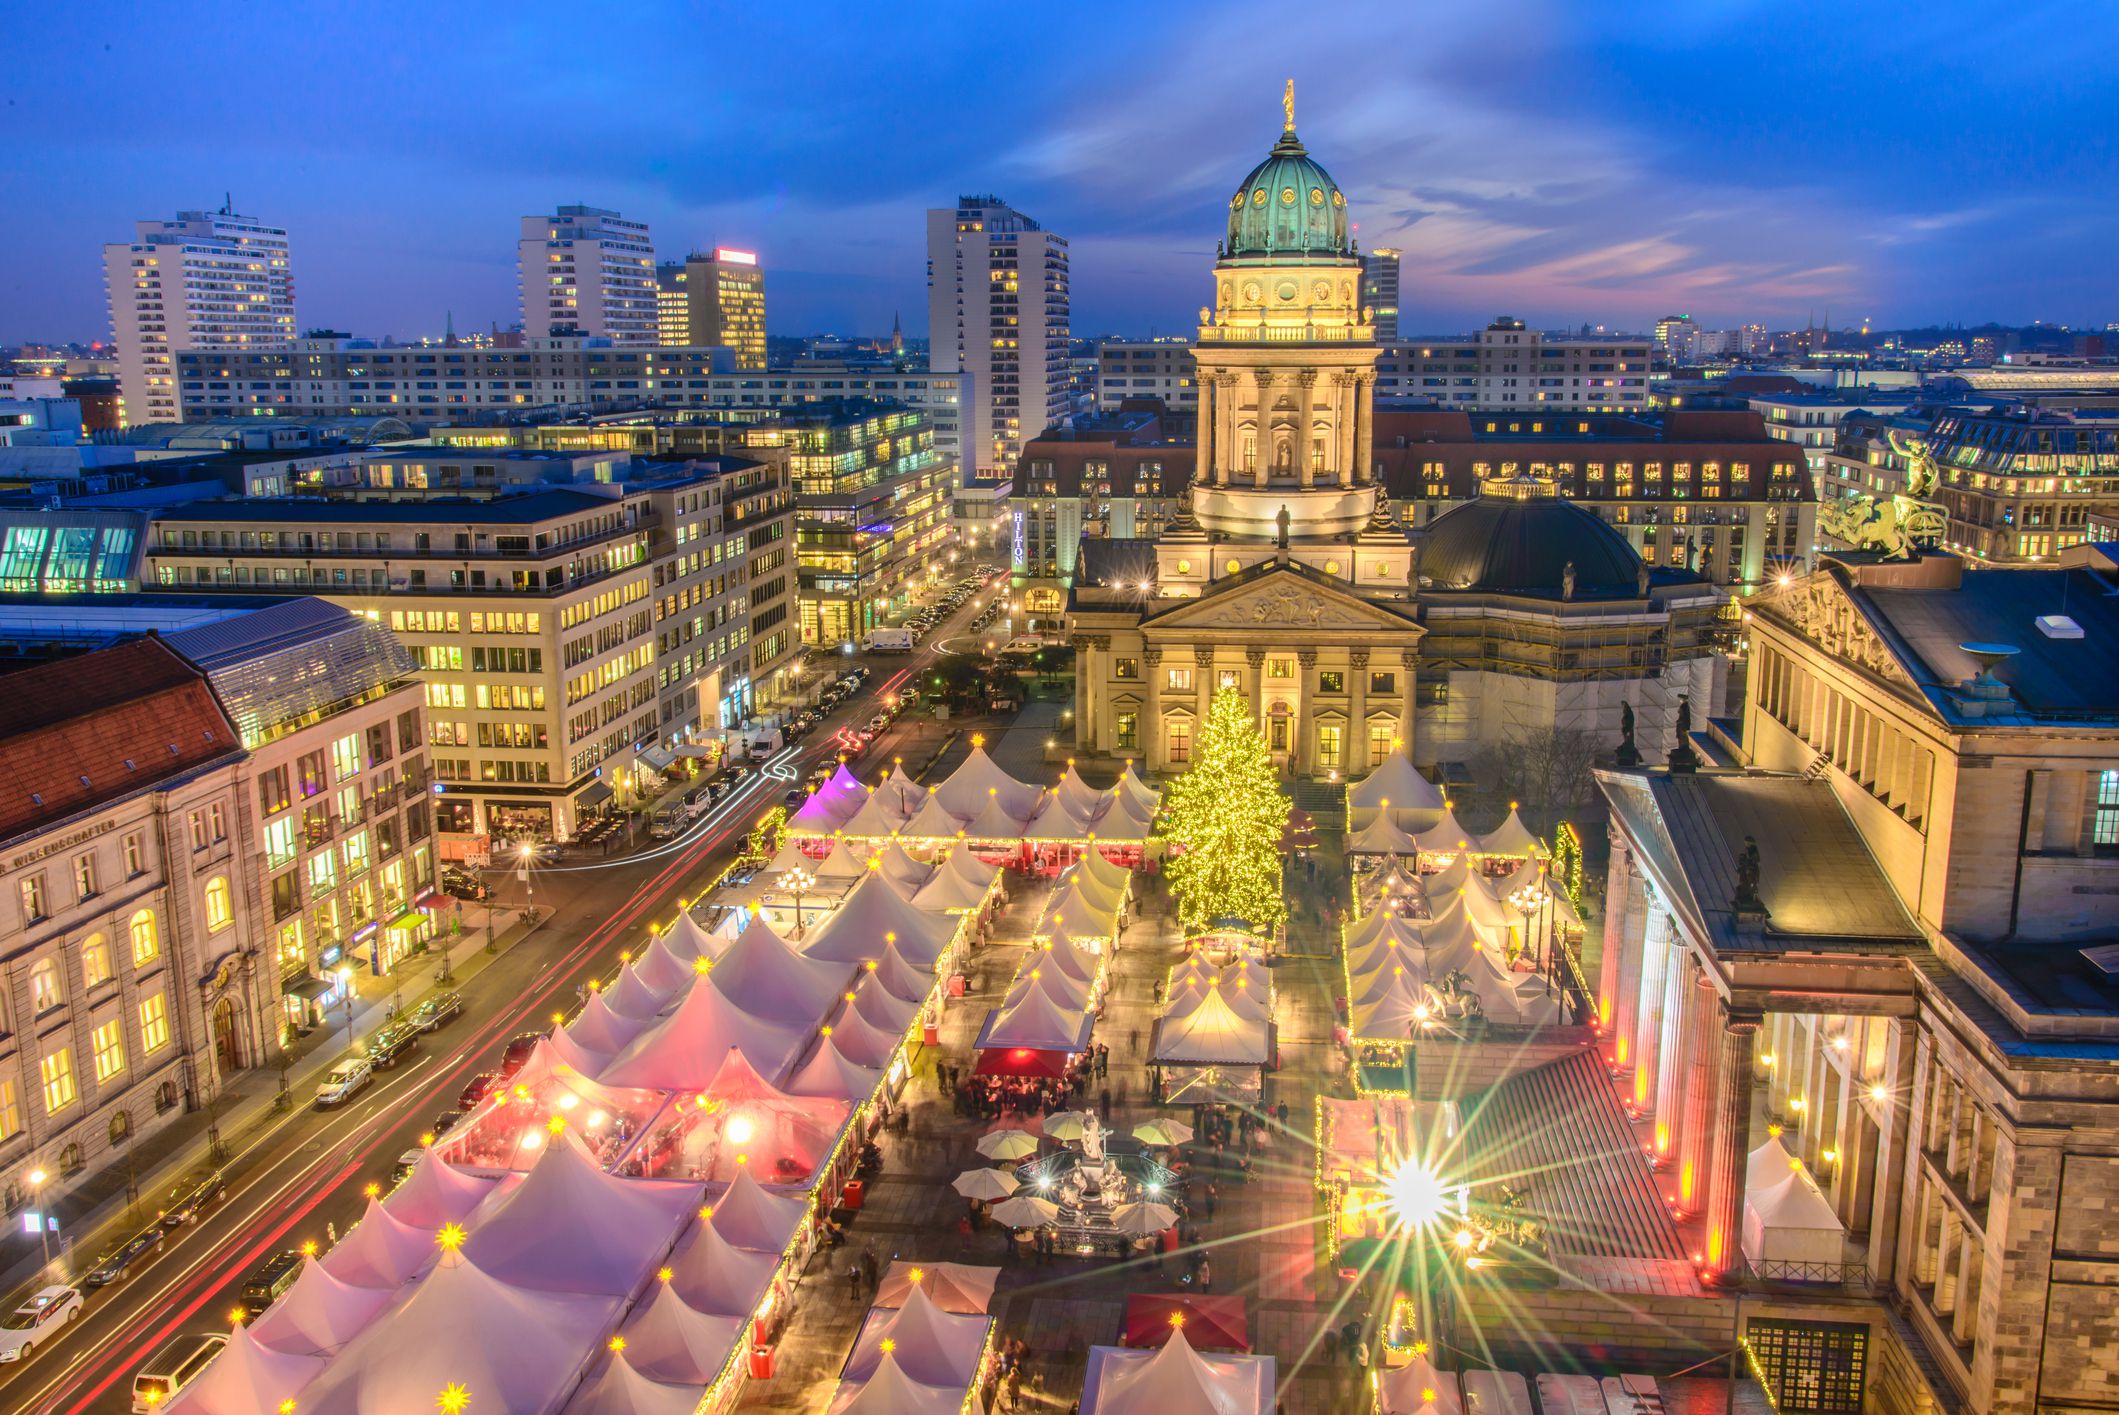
(205, 280)
(590, 269)
(997, 309)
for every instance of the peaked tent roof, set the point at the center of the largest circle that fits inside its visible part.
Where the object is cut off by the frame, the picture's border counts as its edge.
(1447, 836)
(900, 868)
(1037, 1023)
(955, 1287)
(860, 927)
(436, 1192)
(665, 1340)
(881, 1007)
(979, 778)
(621, 1390)
(791, 857)
(875, 820)
(865, 1041)
(629, 996)
(1768, 1165)
(749, 1215)
(1131, 788)
(934, 821)
(969, 868)
(995, 821)
(1215, 1033)
(1512, 837)
(844, 862)
(765, 976)
(823, 813)
(899, 977)
(889, 1391)
(319, 1314)
(601, 1028)
(684, 1051)
(663, 968)
(934, 1347)
(569, 1227)
(1397, 781)
(830, 1073)
(1065, 990)
(1076, 962)
(949, 892)
(1174, 1379)
(1084, 801)
(718, 1278)
(247, 1377)
(1381, 836)
(1071, 913)
(1119, 826)
(691, 939)
(1795, 1202)
(379, 1251)
(1105, 872)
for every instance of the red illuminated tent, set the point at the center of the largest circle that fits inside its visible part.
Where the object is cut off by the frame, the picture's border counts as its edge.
(1211, 1321)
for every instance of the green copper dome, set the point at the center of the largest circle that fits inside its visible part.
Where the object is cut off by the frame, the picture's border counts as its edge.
(1288, 206)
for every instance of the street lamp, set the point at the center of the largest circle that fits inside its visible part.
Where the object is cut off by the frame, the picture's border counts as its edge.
(36, 1191)
(529, 852)
(797, 881)
(1529, 899)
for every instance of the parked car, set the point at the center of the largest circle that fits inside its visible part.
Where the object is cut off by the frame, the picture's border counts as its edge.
(120, 1260)
(406, 1162)
(794, 798)
(179, 1362)
(436, 1011)
(463, 885)
(517, 1051)
(477, 1089)
(263, 1284)
(346, 1080)
(38, 1319)
(445, 1122)
(392, 1044)
(192, 1195)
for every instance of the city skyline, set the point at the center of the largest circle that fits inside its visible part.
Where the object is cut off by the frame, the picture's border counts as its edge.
(1585, 176)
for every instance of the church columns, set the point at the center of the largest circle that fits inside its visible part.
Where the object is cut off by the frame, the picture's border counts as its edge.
(1231, 443)
(1357, 731)
(1648, 1023)
(1256, 659)
(1305, 397)
(1364, 433)
(1732, 1139)
(1305, 755)
(1263, 382)
(1343, 426)
(1205, 456)
(1616, 923)
(1408, 668)
(1151, 726)
(1670, 1049)
(1088, 670)
(1696, 1126)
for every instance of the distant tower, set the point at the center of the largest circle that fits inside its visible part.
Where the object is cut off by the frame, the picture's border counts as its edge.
(998, 310)
(897, 334)
(589, 269)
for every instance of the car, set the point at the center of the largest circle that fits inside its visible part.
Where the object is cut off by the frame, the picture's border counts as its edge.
(345, 1081)
(867, 734)
(477, 1089)
(121, 1259)
(880, 721)
(442, 1008)
(191, 1196)
(794, 798)
(442, 1124)
(406, 1163)
(463, 885)
(263, 1284)
(517, 1051)
(392, 1044)
(179, 1362)
(47, 1310)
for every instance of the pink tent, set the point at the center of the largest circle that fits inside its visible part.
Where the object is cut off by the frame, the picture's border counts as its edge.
(509, 1129)
(761, 974)
(319, 1314)
(740, 1124)
(663, 969)
(247, 1377)
(1173, 1377)
(379, 1251)
(629, 996)
(714, 1276)
(954, 1287)
(749, 1215)
(684, 1051)
(830, 1073)
(569, 1227)
(889, 1391)
(601, 1028)
(435, 1193)
(668, 1341)
(882, 1008)
(933, 1347)
(621, 1390)
(861, 1039)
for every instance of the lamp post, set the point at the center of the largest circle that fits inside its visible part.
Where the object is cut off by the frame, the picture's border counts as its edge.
(36, 1199)
(529, 852)
(1529, 899)
(798, 881)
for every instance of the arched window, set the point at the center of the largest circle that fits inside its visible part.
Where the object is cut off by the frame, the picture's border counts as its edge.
(146, 942)
(120, 1127)
(165, 1097)
(220, 908)
(96, 967)
(70, 1160)
(46, 991)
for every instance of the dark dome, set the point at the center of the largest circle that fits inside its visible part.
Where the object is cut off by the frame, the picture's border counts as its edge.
(1521, 546)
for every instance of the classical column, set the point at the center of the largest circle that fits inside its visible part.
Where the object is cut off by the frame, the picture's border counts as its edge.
(1149, 734)
(1204, 458)
(1670, 1049)
(1305, 381)
(1648, 1020)
(1256, 659)
(1408, 673)
(1357, 687)
(1343, 425)
(1697, 1121)
(1306, 727)
(1363, 426)
(1732, 1139)
(1087, 704)
(1614, 928)
(1227, 405)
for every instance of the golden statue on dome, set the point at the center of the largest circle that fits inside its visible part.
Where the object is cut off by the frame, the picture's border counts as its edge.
(1287, 104)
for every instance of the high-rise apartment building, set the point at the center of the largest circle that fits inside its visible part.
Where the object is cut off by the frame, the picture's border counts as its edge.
(1152, 368)
(1379, 290)
(1673, 333)
(1507, 367)
(591, 270)
(206, 280)
(726, 304)
(673, 305)
(997, 308)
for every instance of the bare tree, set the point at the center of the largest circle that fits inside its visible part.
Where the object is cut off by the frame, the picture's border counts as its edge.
(1545, 770)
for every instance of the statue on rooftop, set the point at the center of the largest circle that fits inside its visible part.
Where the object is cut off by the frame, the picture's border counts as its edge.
(1747, 899)
(1629, 754)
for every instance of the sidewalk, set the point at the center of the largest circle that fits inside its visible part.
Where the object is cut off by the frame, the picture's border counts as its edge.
(93, 1215)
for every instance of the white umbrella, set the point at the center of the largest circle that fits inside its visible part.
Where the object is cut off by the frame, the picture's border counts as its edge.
(1007, 1144)
(1162, 1132)
(1066, 1125)
(1024, 1212)
(1143, 1219)
(985, 1184)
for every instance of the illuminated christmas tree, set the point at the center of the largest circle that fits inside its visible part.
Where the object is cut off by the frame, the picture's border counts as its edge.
(1223, 822)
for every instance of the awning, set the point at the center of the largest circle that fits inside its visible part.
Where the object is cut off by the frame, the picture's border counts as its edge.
(657, 758)
(307, 988)
(700, 749)
(594, 794)
(407, 922)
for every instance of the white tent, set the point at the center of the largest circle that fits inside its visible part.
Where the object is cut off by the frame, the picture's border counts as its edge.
(1106, 872)
(1768, 1165)
(842, 863)
(934, 1347)
(1071, 912)
(934, 821)
(902, 792)
(601, 1028)
(1381, 836)
(954, 1287)
(436, 1192)
(1416, 1386)
(882, 1008)
(763, 975)
(749, 1215)
(511, 1347)
(379, 1251)
(1056, 821)
(1213, 1033)
(889, 1391)
(899, 977)
(1037, 1023)
(791, 857)
(630, 997)
(718, 1278)
(949, 892)
(663, 970)
(689, 940)
(1119, 826)
(665, 1340)
(620, 1390)
(900, 868)
(1173, 1379)
(246, 1378)
(319, 1314)
(1447, 837)
(866, 1042)
(682, 1051)
(1066, 990)
(874, 821)
(569, 1227)
(1145, 799)
(861, 926)
(994, 821)
(831, 1073)
(1512, 837)
(1081, 800)
(1792, 1222)
(1395, 781)
(1063, 953)
(980, 779)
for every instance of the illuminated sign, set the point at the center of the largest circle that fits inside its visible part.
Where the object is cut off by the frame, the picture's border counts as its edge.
(733, 257)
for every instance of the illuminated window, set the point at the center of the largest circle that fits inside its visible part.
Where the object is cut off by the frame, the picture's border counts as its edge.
(109, 1040)
(58, 1072)
(1280, 668)
(1128, 731)
(146, 943)
(46, 990)
(1180, 739)
(2104, 831)
(220, 909)
(84, 876)
(10, 1110)
(1331, 681)
(1330, 744)
(34, 904)
(96, 966)
(1126, 668)
(1179, 680)
(154, 1025)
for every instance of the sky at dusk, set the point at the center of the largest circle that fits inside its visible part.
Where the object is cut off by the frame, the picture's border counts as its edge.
(1563, 162)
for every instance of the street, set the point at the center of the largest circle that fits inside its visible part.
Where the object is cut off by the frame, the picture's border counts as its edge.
(304, 1178)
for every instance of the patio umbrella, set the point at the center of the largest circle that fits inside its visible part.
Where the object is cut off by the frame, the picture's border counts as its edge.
(1066, 1125)
(1007, 1144)
(1162, 1132)
(1025, 1212)
(1140, 1220)
(985, 1184)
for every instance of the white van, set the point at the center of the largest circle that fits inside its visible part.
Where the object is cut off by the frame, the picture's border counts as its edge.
(891, 640)
(174, 1367)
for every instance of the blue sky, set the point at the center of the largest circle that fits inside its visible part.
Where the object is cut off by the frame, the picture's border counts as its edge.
(1564, 162)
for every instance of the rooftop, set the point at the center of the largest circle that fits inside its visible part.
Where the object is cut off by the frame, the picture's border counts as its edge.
(438, 511)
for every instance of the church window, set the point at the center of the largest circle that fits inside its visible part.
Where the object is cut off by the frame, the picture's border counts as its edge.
(1383, 682)
(1331, 680)
(1250, 451)
(1280, 668)
(1316, 454)
(1382, 731)
(1330, 745)
(1126, 667)
(1180, 680)
(2104, 831)
(1128, 724)
(1180, 734)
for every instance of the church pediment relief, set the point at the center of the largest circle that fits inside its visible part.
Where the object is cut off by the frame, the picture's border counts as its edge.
(1279, 601)
(1820, 610)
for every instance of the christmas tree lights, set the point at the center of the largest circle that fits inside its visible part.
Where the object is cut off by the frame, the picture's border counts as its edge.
(1222, 824)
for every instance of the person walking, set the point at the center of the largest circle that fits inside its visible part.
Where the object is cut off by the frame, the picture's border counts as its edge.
(1206, 1274)
(1103, 1103)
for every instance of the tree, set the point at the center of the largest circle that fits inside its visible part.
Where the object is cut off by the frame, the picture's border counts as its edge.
(1546, 771)
(1222, 824)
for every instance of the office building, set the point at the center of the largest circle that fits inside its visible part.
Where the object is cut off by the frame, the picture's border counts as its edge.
(673, 305)
(1379, 290)
(1145, 368)
(725, 295)
(207, 280)
(997, 309)
(589, 271)
(1509, 368)
(1673, 334)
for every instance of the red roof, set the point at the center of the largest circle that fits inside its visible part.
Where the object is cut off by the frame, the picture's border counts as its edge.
(82, 731)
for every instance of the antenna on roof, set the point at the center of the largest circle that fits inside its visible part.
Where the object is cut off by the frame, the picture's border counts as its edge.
(227, 203)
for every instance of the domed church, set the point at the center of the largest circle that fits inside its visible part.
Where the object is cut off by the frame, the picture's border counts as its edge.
(1284, 575)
